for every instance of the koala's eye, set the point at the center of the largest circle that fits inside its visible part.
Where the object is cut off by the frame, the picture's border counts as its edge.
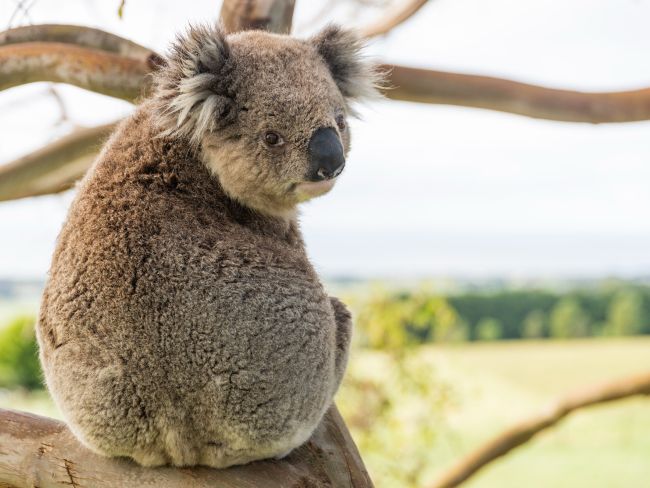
(273, 139)
(340, 121)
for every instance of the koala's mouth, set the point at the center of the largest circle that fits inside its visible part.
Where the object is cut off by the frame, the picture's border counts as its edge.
(311, 189)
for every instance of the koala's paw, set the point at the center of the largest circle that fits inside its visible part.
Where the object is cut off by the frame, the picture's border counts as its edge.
(343, 319)
(341, 312)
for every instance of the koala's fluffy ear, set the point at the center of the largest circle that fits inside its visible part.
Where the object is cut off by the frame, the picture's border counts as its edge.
(341, 49)
(192, 90)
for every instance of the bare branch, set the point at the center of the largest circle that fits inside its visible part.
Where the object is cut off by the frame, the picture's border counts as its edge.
(271, 15)
(122, 76)
(59, 101)
(54, 168)
(393, 18)
(95, 70)
(428, 86)
(119, 75)
(77, 35)
(37, 451)
(521, 433)
(22, 8)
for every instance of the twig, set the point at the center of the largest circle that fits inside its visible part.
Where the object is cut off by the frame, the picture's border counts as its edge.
(393, 18)
(20, 7)
(63, 110)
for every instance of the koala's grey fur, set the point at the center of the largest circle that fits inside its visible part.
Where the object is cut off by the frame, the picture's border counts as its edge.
(182, 322)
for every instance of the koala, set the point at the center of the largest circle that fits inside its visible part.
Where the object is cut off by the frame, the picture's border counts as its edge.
(182, 322)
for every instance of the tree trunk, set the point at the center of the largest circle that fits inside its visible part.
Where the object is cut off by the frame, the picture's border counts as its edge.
(271, 15)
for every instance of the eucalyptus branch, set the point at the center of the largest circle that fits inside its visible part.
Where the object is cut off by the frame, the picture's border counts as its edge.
(393, 18)
(524, 431)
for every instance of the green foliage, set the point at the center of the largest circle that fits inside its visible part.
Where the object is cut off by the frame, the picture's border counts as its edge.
(535, 325)
(19, 366)
(395, 406)
(568, 319)
(625, 314)
(510, 307)
(120, 9)
(489, 329)
(391, 320)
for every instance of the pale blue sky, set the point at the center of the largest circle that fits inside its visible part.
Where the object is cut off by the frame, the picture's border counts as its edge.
(428, 190)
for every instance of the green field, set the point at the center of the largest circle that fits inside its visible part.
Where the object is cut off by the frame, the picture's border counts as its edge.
(413, 417)
(492, 385)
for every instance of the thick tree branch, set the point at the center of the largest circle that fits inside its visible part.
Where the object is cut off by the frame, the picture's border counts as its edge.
(37, 451)
(271, 15)
(53, 168)
(99, 67)
(393, 18)
(125, 77)
(428, 86)
(79, 36)
(409, 84)
(521, 433)
(98, 71)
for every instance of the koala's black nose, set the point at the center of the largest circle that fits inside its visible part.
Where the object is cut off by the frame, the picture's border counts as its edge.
(326, 158)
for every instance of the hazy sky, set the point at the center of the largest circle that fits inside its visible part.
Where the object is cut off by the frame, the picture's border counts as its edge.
(428, 190)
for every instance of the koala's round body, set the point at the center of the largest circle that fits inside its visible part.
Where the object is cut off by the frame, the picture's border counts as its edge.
(182, 322)
(178, 326)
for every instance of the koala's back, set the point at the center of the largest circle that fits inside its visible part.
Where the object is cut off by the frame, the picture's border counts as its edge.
(176, 326)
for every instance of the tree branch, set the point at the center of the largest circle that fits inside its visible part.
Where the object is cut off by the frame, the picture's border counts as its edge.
(521, 433)
(124, 77)
(79, 36)
(271, 15)
(98, 71)
(37, 451)
(393, 18)
(428, 86)
(410, 84)
(53, 168)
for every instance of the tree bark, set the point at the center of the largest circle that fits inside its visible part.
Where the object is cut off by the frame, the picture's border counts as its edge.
(524, 431)
(126, 78)
(440, 87)
(53, 168)
(77, 35)
(271, 15)
(40, 452)
(99, 71)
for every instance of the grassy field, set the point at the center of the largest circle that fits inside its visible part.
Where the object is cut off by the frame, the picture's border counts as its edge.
(492, 385)
(438, 403)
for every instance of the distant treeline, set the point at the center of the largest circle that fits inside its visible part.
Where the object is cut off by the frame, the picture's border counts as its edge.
(388, 319)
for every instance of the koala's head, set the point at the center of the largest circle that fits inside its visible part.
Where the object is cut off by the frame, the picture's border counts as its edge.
(266, 113)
